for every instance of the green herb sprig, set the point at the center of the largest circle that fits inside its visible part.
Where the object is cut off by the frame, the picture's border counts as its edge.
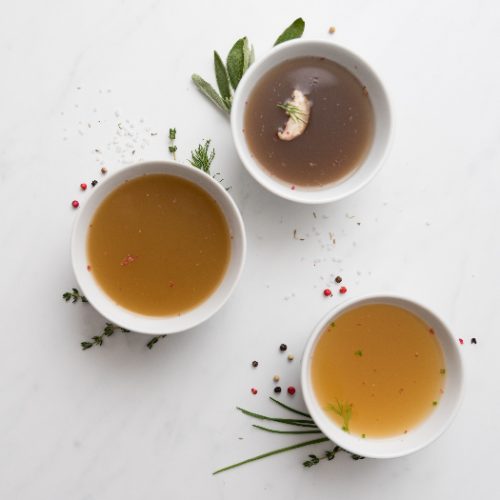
(74, 296)
(109, 329)
(238, 60)
(343, 410)
(202, 157)
(154, 340)
(294, 422)
(294, 112)
(172, 148)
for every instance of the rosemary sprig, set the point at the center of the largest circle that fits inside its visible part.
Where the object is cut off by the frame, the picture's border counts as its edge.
(271, 453)
(172, 148)
(154, 340)
(202, 158)
(74, 296)
(109, 329)
(294, 112)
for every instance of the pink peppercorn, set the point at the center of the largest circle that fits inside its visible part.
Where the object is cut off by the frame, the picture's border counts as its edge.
(254, 390)
(461, 341)
(75, 204)
(83, 186)
(342, 290)
(327, 292)
(291, 390)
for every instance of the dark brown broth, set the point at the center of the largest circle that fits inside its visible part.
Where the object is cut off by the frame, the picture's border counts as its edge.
(340, 129)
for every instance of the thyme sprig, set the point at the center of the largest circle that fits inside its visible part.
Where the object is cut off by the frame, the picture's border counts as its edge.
(294, 112)
(154, 340)
(74, 296)
(109, 329)
(311, 429)
(202, 157)
(172, 148)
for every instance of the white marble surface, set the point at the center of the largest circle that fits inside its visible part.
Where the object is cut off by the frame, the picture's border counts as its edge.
(123, 422)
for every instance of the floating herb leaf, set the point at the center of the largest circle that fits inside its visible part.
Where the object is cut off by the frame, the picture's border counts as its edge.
(74, 296)
(154, 340)
(202, 158)
(343, 410)
(295, 30)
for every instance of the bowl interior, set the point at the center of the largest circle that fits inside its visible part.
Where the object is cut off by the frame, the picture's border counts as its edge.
(424, 433)
(382, 126)
(157, 324)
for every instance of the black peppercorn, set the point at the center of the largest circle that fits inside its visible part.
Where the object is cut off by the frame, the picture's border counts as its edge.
(94, 183)
(255, 364)
(473, 340)
(338, 279)
(283, 347)
(277, 389)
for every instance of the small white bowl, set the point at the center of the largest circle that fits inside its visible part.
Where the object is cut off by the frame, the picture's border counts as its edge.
(156, 325)
(382, 112)
(431, 428)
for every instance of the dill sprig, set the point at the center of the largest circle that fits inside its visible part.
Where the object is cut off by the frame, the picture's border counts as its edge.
(294, 112)
(154, 340)
(172, 148)
(202, 157)
(109, 329)
(74, 296)
(311, 429)
(343, 410)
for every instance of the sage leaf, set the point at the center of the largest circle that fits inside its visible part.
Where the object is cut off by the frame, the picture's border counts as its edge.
(205, 88)
(222, 78)
(236, 61)
(247, 55)
(295, 30)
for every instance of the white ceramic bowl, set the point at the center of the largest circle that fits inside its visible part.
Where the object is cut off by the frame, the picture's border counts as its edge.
(382, 130)
(431, 428)
(157, 324)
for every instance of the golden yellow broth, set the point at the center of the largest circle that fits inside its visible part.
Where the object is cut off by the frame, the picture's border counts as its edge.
(381, 363)
(158, 245)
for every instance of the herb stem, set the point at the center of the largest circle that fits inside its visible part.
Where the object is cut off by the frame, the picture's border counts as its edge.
(271, 453)
(298, 412)
(288, 421)
(276, 431)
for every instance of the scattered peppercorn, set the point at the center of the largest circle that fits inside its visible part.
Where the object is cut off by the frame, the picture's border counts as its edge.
(254, 390)
(291, 357)
(94, 183)
(461, 341)
(473, 340)
(342, 290)
(255, 364)
(104, 170)
(331, 30)
(338, 279)
(83, 186)
(327, 292)
(283, 347)
(75, 204)
(291, 390)
(276, 378)
(277, 389)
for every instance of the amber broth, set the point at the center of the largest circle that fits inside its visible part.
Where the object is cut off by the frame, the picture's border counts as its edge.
(382, 362)
(158, 245)
(338, 135)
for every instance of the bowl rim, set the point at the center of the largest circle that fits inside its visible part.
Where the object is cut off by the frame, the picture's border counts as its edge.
(178, 170)
(333, 431)
(259, 174)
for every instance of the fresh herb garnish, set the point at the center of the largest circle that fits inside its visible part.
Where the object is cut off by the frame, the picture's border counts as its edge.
(238, 60)
(154, 340)
(307, 422)
(202, 158)
(172, 148)
(109, 329)
(442, 371)
(294, 112)
(343, 410)
(359, 353)
(74, 296)
(295, 30)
